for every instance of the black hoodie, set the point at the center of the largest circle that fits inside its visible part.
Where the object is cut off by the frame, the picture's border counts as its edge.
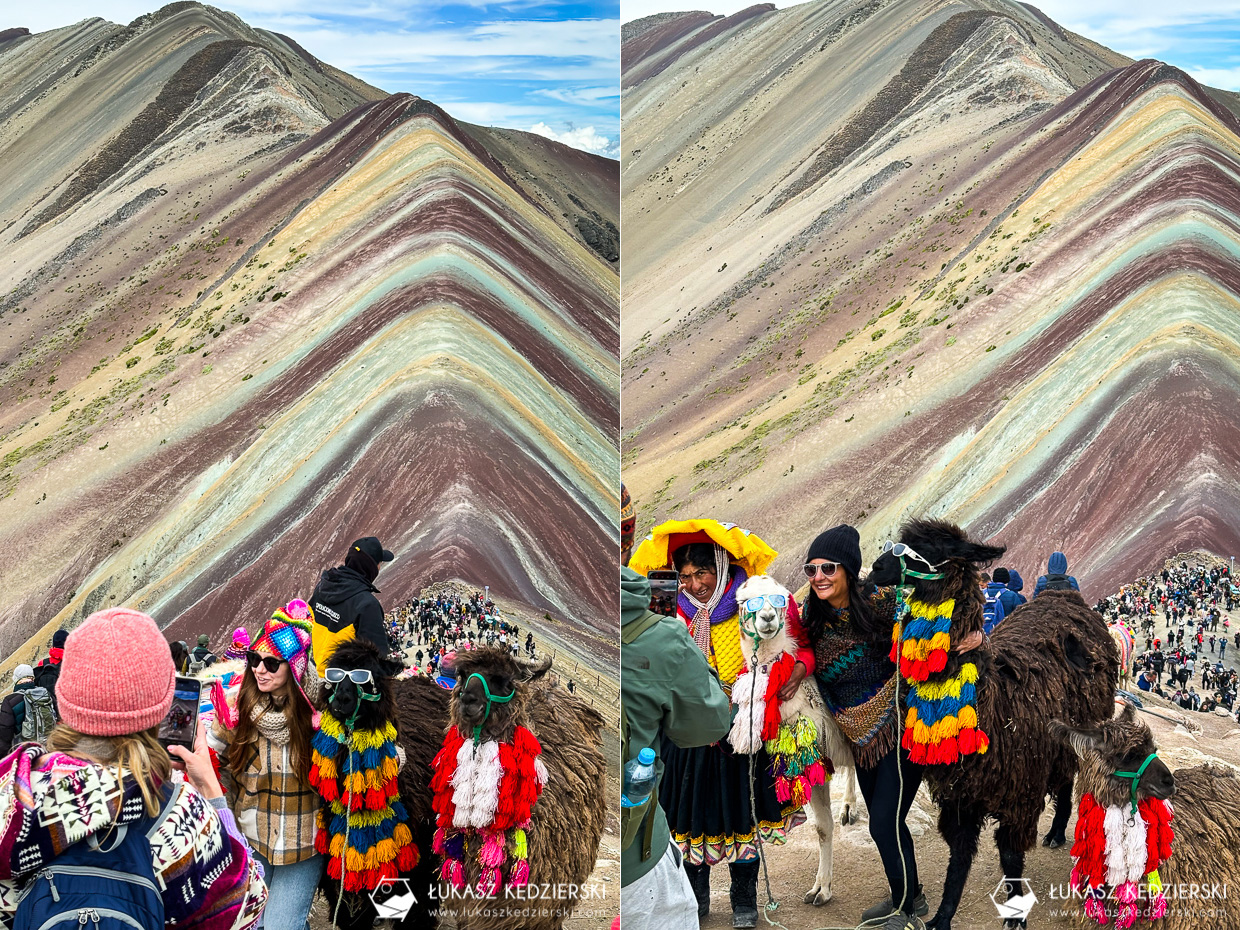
(345, 607)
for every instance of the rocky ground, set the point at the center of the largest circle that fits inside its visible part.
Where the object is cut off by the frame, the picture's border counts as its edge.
(1184, 739)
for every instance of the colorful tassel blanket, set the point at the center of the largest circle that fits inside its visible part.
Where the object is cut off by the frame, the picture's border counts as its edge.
(1114, 848)
(941, 722)
(486, 792)
(797, 763)
(364, 828)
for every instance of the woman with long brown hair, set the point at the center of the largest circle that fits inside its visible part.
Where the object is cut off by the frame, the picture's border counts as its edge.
(262, 734)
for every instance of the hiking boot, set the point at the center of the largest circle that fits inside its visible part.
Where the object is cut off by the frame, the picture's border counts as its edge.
(699, 879)
(901, 921)
(885, 907)
(744, 893)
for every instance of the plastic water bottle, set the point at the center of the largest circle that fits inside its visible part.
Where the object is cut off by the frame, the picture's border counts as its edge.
(639, 779)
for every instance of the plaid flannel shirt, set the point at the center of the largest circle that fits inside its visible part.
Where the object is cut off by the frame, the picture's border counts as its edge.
(274, 809)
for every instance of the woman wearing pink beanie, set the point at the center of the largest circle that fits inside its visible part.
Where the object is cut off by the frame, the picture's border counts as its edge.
(104, 767)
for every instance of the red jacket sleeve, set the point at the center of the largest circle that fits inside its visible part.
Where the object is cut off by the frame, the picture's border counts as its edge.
(805, 654)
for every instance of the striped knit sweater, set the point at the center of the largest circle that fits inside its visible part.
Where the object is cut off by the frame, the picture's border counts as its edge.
(208, 877)
(857, 681)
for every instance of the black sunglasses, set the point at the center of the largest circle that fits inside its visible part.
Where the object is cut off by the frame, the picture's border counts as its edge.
(271, 663)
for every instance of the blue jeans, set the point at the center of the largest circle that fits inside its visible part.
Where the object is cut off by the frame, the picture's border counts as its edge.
(290, 889)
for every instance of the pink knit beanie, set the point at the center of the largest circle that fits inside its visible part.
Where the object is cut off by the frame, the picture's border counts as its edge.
(117, 674)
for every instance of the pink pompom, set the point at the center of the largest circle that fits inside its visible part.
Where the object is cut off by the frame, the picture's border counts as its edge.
(457, 874)
(298, 609)
(815, 774)
(1127, 916)
(521, 874)
(437, 844)
(1095, 910)
(1127, 893)
(783, 790)
(488, 883)
(1159, 906)
(492, 849)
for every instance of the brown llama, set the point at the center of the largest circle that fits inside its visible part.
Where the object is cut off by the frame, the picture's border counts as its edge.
(1053, 657)
(1205, 819)
(567, 819)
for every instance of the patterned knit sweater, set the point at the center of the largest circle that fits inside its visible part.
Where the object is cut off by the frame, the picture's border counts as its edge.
(857, 680)
(207, 876)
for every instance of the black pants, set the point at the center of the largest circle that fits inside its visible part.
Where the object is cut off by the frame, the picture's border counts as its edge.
(880, 786)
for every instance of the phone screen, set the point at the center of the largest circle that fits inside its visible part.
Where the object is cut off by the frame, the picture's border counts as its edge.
(664, 585)
(180, 724)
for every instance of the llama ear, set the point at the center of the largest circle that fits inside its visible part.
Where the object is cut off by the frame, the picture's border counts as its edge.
(391, 668)
(1081, 741)
(1129, 714)
(969, 551)
(532, 671)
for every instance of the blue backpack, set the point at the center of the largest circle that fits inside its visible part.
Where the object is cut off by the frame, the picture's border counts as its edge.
(992, 613)
(96, 884)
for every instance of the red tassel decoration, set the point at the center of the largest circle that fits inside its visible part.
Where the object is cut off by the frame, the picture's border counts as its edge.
(937, 661)
(407, 858)
(376, 799)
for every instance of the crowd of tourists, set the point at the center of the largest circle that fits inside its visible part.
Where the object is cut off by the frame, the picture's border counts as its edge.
(432, 629)
(1181, 620)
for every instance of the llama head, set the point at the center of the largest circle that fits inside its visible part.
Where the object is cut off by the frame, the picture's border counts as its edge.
(372, 700)
(505, 677)
(935, 547)
(1122, 744)
(763, 604)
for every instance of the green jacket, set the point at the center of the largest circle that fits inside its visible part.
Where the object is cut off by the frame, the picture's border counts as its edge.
(668, 690)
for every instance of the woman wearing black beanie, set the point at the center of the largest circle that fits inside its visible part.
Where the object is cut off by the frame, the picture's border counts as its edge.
(849, 627)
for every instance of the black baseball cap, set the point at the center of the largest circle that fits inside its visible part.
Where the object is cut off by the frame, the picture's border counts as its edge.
(373, 548)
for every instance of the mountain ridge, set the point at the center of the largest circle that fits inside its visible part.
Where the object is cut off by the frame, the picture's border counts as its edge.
(271, 329)
(887, 333)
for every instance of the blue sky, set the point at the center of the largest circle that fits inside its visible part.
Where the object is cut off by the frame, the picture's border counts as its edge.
(1201, 37)
(548, 67)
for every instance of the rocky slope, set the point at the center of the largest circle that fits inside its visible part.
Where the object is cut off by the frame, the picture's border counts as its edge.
(252, 308)
(897, 257)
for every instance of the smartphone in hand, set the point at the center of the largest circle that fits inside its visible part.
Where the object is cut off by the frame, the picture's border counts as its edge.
(664, 585)
(180, 724)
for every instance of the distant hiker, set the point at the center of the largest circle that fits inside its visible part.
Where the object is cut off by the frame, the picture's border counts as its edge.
(1008, 597)
(344, 602)
(992, 611)
(26, 696)
(201, 655)
(47, 672)
(180, 656)
(1056, 577)
(239, 646)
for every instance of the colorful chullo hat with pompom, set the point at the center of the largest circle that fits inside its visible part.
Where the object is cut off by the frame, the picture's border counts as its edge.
(287, 636)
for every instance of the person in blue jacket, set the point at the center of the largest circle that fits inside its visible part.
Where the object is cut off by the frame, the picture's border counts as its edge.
(1007, 597)
(1056, 577)
(994, 611)
(1016, 585)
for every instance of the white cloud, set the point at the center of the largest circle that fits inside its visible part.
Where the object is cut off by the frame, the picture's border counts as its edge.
(584, 138)
(579, 95)
(1225, 78)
